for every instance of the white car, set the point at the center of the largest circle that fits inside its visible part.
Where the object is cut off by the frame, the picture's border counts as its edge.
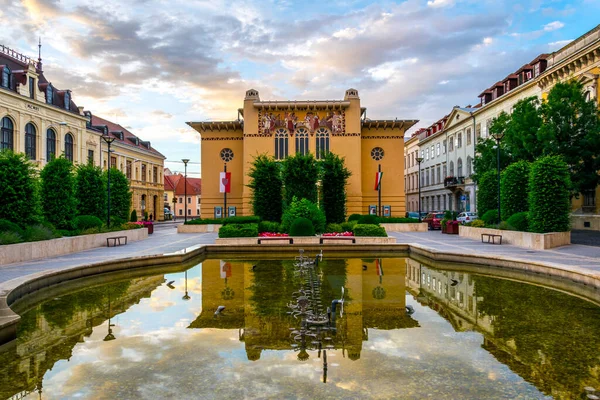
(465, 217)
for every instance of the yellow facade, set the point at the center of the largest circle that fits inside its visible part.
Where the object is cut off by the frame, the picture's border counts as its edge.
(335, 125)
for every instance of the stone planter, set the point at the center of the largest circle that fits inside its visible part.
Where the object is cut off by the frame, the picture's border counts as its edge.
(21, 252)
(306, 240)
(411, 227)
(528, 240)
(198, 228)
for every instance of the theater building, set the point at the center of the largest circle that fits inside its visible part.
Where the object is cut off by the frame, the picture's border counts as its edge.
(283, 128)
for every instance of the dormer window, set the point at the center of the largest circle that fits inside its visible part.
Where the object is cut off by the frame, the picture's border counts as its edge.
(49, 94)
(6, 77)
(67, 101)
(536, 69)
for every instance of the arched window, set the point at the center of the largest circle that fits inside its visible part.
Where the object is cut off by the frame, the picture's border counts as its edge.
(459, 169)
(281, 144)
(6, 77)
(30, 141)
(302, 141)
(50, 144)
(69, 147)
(6, 139)
(451, 168)
(49, 94)
(469, 166)
(322, 147)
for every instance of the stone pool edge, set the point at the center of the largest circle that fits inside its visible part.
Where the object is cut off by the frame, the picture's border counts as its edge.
(15, 289)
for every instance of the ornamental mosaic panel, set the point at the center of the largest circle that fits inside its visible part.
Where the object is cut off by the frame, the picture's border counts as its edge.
(226, 154)
(270, 121)
(377, 153)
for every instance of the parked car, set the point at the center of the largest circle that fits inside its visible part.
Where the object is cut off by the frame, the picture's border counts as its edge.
(412, 214)
(433, 220)
(465, 217)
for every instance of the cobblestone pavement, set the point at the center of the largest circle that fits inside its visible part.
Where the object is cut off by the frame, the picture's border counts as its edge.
(167, 240)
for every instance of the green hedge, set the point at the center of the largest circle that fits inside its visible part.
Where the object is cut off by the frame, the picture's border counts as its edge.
(348, 226)
(302, 227)
(487, 192)
(334, 228)
(238, 230)
(83, 222)
(8, 226)
(354, 217)
(549, 194)
(207, 221)
(250, 219)
(369, 230)
(268, 226)
(519, 222)
(513, 192)
(396, 220)
(303, 208)
(490, 217)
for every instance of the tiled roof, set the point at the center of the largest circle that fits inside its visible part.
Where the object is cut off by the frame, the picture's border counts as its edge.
(194, 185)
(128, 138)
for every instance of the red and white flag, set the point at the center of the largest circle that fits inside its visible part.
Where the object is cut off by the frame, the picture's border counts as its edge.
(225, 269)
(225, 182)
(378, 176)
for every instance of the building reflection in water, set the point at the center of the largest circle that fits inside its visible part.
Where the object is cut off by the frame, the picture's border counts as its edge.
(256, 295)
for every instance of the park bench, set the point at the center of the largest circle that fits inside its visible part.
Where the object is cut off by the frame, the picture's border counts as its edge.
(323, 238)
(115, 240)
(491, 238)
(289, 239)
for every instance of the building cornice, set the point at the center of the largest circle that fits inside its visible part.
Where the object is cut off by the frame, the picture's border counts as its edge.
(216, 126)
(389, 124)
(41, 104)
(302, 105)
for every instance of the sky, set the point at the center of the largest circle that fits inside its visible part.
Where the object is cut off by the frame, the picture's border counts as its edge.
(153, 65)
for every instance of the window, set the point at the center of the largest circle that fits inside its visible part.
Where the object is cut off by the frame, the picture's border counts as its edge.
(67, 101)
(302, 141)
(445, 170)
(589, 199)
(427, 177)
(468, 136)
(450, 143)
(6, 139)
(444, 147)
(469, 166)
(113, 161)
(155, 174)
(439, 176)
(422, 180)
(32, 87)
(427, 153)
(69, 147)
(128, 169)
(49, 94)
(30, 149)
(180, 200)
(6, 77)
(189, 199)
(438, 149)
(432, 151)
(180, 210)
(459, 140)
(91, 156)
(478, 131)
(423, 154)
(281, 144)
(459, 167)
(50, 144)
(451, 168)
(322, 147)
(143, 172)
(536, 69)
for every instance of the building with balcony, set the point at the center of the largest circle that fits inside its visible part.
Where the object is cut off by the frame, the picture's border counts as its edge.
(411, 181)
(281, 128)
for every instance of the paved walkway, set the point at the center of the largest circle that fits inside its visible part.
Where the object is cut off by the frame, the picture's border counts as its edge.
(166, 240)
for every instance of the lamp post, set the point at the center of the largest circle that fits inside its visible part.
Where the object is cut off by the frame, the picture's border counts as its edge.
(419, 161)
(108, 140)
(186, 296)
(498, 136)
(174, 206)
(185, 161)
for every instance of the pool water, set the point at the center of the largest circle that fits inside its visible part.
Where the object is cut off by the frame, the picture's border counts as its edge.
(462, 336)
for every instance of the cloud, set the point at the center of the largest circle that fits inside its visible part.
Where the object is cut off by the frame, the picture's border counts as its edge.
(440, 3)
(552, 26)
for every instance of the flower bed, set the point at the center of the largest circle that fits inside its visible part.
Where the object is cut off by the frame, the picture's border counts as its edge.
(338, 234)
(272, 234)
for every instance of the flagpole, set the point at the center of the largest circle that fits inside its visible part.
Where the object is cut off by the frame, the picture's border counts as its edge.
(379, 192)
(225, 213)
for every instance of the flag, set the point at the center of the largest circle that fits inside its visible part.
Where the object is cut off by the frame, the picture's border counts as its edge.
(379, 266)
(378, 176)
(225, 182)
(225, 269)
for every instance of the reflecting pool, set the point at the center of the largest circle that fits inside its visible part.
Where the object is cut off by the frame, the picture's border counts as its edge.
(238, 328)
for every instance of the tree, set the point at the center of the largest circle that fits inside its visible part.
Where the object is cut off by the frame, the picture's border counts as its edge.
(18, 189)
(266, 185)
(59, 204)
(521, 131)
(486, 158)
(334, 176)
(90, 191)
(300, 174)
(487, 192)
(120, 196)
(513, 189)
(549, 205)
(572, 130)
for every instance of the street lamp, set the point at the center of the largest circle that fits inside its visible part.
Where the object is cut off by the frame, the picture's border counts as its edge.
(419, 161)
(498, 136)
(174, 207)
(186, 296)
(185, 161)
(108, 140)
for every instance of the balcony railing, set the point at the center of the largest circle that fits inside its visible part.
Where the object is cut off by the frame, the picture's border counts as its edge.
(454, 181)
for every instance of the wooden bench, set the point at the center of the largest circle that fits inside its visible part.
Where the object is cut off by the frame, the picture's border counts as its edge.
(491, 238)
(323, 238)
(115, 240)
(289, 239)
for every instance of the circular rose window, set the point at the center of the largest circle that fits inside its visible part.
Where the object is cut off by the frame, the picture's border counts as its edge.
(377, 153)
(226, 155)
